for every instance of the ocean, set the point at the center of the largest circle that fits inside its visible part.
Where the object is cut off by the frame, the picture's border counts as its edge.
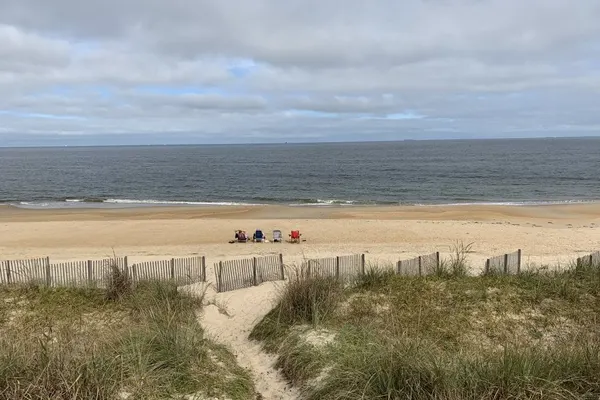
(515, 171)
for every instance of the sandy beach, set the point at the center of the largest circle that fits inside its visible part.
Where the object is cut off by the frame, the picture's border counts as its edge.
(551, 234)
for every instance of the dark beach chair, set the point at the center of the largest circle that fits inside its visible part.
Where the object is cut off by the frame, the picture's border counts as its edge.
(240, 237)
(259, 236)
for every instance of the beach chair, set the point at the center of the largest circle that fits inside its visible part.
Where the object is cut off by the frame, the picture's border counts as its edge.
(277, 236)
(240, 237)
(258, 236)
(295, 237)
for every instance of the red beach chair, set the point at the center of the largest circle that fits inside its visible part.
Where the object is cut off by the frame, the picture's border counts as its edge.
(295, 237)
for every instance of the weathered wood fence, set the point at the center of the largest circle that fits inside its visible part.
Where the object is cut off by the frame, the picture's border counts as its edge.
(508, 264)
(41, 271)
(96, 273)
(589, 260)
(91, 273)
(24, 271)
(230, 275)
(239, 274)
(419, 266)
(341, 267)
(182, 271)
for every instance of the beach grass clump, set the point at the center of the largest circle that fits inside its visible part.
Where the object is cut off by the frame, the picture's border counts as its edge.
(82, 343)
(448, 336)
(303, 300)
(458, 263)
(375, 277)
(372, 366)
(119, 283)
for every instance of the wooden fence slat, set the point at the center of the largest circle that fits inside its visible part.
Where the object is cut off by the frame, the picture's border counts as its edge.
(8, 274)
(48, 273)
(3, 273)
(219, 276)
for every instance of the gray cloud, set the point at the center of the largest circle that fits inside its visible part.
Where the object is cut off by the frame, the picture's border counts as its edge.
(308, 70)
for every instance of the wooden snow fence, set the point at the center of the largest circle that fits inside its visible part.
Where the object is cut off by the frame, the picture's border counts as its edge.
(340, 267)
(592, 260)
(243, 273)
(96, 273)
(508, 264)
(39, 271)
(419, 266)
(181, 271)
(33, 271)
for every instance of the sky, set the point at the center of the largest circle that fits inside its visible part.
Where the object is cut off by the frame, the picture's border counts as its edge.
(197, 71)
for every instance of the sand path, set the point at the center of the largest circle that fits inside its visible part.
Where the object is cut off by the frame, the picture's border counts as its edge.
(230, 322)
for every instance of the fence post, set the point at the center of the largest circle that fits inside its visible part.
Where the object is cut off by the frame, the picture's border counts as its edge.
(203, 268)
(172, 268)
(362, 263)
(254, 275)
(90, 273)
(592, 260)
(308, 272)
(399, 267)
(487, 266)
(8, 278)
(125, 267)
(337, 267)
(134, 274)
(420, 267)
(506, 264)
(281, 266)
(437, 259)
(48, 276)
(219, 283)
(519, 261)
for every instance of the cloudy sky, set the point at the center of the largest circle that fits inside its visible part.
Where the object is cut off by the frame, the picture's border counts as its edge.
(198, 71)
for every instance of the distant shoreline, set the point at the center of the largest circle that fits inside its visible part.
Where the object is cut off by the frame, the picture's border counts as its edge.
(471, 212)
(115, 204)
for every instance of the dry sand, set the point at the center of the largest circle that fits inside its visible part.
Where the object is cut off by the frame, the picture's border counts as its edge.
(546, 234)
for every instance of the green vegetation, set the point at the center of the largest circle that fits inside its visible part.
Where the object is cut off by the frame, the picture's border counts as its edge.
(123, 342)
(446, 336)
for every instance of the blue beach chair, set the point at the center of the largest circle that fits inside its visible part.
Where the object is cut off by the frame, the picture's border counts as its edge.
(258, 236)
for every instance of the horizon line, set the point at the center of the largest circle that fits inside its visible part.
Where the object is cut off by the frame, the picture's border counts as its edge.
(299, 143)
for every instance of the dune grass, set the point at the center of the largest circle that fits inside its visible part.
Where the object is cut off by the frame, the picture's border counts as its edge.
(136, 343)
(446, 336)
